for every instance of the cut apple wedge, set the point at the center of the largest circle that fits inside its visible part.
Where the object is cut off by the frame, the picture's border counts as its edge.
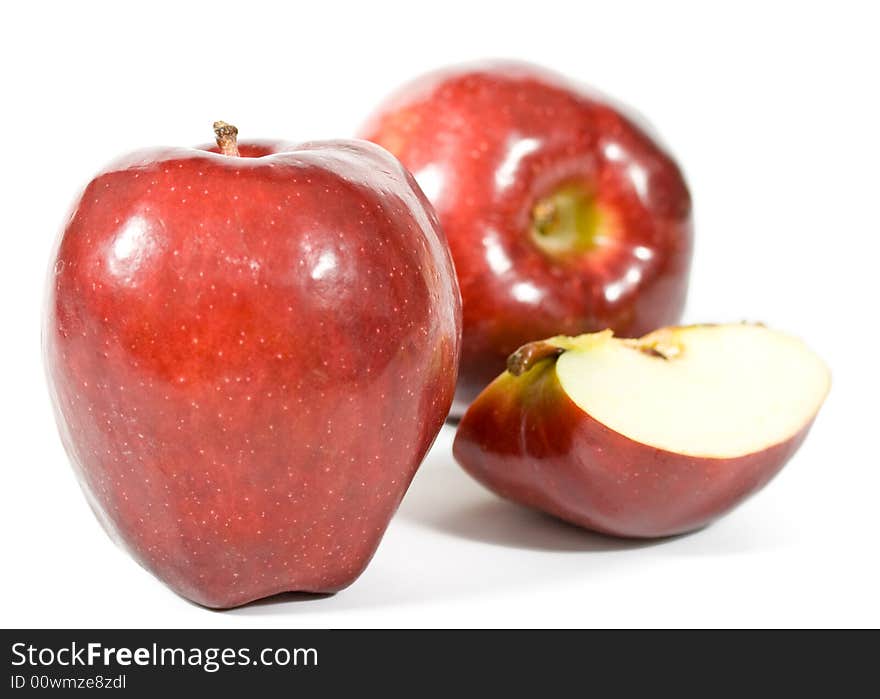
(643, 438)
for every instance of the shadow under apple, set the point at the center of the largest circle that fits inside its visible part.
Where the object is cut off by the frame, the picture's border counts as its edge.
(275, 601)
(503, 523)
(447, 500)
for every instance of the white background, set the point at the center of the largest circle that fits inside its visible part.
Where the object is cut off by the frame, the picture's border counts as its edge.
(771, 108)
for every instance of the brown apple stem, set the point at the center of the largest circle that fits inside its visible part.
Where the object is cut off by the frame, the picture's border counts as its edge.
(528, 355)
(227, 138)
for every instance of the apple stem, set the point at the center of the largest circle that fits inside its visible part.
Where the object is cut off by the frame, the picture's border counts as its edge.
(528, 355)
(227, 138)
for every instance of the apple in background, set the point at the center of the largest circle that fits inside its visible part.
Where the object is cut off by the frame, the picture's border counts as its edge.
(648, 437)
(563, 216)
(249, 353)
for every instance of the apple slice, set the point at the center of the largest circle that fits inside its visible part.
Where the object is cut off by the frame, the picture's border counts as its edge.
(648, 437)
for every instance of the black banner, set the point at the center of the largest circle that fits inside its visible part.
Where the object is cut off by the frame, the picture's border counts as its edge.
(139, 661)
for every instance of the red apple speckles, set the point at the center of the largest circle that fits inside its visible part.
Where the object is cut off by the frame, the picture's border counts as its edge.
(563, 216)
(249, 357)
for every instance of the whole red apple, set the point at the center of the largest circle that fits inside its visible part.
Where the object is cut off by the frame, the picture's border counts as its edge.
(250, 352)
(563, 215)
(648, 437)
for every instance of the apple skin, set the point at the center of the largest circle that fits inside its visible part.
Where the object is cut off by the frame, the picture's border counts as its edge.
(487, 142)
(527, 441)
(249, 358)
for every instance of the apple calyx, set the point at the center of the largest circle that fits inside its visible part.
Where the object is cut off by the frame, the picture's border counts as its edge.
(566, 222)
(227, 138)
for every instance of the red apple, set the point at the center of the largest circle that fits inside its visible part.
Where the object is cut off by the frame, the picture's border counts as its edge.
(648, 437)
(562, 214)
(249, 356)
